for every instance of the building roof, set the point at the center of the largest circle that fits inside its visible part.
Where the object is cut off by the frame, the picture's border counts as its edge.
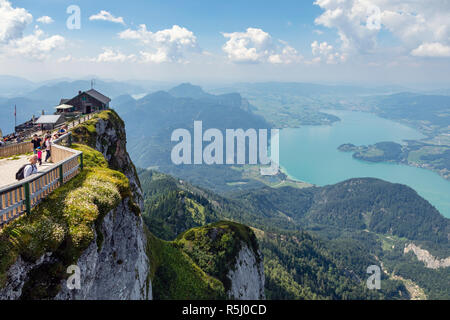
(92, 93)
(48, 119)
(64, 107)
(97, 95)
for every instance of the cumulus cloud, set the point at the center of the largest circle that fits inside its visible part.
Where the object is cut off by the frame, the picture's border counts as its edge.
(434, 49)
(67, 58)
(325, 52)
(45, 20)
(36, 45)
(417, 24)
(168, 45)
(110, 55)
(255, 46)
(106, 16)
(13, 22)
(349, 18)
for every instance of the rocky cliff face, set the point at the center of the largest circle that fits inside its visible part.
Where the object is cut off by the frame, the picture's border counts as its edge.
(18, 275)
(247, 277)
(114, 264)
(427, 258)
(229, 252)
(111, 141)
(119, 269)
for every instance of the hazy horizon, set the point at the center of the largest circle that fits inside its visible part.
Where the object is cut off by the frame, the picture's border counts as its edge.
(208, 84)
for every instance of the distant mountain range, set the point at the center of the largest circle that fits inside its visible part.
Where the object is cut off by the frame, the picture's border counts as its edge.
(310, 89)
(31, 98)
(11, 86)
(152, 119)
(413, 106)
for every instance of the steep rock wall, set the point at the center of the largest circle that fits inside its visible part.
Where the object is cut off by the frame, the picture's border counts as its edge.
(247, 277)
(427, 258)
(111, 141)
(119, 269)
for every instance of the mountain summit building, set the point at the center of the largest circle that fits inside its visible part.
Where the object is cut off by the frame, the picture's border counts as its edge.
(87, 102)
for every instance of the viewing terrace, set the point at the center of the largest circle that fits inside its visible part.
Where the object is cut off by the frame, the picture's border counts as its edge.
(19, 197)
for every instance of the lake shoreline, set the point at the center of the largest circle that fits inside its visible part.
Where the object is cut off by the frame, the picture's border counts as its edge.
(310, 154)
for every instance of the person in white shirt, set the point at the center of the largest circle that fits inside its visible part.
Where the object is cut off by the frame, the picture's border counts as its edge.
(48, 147)
(31, 168)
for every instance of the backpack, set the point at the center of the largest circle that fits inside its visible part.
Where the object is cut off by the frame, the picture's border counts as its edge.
(20, 175)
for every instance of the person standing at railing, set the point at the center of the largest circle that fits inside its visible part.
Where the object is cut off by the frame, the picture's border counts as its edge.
(36, 141)
(48, 147)
(31, 168)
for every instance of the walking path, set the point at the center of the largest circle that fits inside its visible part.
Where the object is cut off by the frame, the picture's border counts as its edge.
(8, 168)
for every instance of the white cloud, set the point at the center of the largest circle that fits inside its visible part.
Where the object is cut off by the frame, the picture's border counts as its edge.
(434, 49)
(67, 58)
(13, 22)
(168, 45)
(349, 17)
(325, 52)
(36, 45)
(107, 16)
(45, 20)
(413, 22)
(255, 46)
(109, 55)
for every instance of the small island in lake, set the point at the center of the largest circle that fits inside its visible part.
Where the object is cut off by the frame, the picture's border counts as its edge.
(382, 151)
(414, 153)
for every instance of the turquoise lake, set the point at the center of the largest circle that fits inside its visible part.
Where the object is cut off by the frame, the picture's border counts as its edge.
(310, 154)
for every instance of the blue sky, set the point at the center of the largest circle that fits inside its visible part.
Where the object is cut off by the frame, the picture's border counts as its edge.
(292, 21)
(371, 41)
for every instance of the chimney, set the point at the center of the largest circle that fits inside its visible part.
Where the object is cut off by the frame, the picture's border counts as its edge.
(43, 112)
(79, 92)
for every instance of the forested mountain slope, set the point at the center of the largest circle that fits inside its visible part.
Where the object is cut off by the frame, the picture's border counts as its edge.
(298, 264)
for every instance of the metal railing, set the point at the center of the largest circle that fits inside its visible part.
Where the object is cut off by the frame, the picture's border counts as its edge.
(80, 120)
(19, 198)
(13, 148)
